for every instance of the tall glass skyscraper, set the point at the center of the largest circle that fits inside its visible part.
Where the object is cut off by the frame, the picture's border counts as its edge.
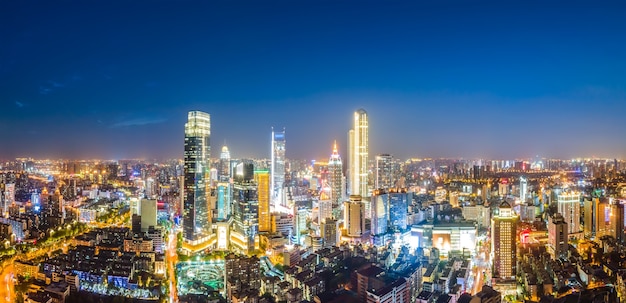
(225, 170)
(224, 201)
(335, 177)
(385, 172)
(278, 167)
(245, 207)
(359, 149)
(262, 179)
(196, 170)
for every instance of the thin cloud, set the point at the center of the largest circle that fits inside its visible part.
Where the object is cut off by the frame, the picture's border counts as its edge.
(138, 122)
(19, 104)
(44, 90)
(50, 86)
(56, 84)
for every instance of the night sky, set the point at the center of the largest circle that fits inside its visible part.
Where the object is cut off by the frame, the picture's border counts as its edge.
(111, 79)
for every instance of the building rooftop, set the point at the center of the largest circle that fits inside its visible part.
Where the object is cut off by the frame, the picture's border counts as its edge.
(389, 287)
(425, 295)
(371, 271)
(487, 292)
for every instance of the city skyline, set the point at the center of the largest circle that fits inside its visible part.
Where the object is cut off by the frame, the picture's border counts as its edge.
(435, 81)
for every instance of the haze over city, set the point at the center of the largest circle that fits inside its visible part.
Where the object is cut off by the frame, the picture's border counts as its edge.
(451, 79)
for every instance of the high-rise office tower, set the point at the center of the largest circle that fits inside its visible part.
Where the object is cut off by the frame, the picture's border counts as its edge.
(359, 149)
(278, 167)
(150, 188)
(148, 214)
(589, 217)
(568, 204)
(213, 177)
(301, 215)
(379, 212)
(385, 172)
(35, 201)
(350, 162)
(354, 217)
(610, 219)
(503, 243)
(224, 201)
(9, 196)
(224, 169)
(399, 200)
(390, 210)
(523, 189)
(245, 207)
(557, 236)
(196, 169)
(335, 177)
(262, 178)
(325, 206)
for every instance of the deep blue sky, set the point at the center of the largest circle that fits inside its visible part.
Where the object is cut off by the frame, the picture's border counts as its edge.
(506, 79)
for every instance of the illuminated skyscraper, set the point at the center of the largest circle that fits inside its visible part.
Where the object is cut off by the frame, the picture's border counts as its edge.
(557, 236)
(278, 167)
(523, 189)
(9, 197)
(354, 217)
(224, 169)
(335, 177)
(350, 168)
(262, 178)
(224, 201)
(359, 149)
(35, 201)
(245, 208)
(610, 219)
(589, 217)
(379, 213)
(385, 172)
(148, 214)
(503, 243)
(196, 170)
(399, 201)
(325, 206)
(568, 205)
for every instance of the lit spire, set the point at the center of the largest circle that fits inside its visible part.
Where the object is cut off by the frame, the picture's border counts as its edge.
(334, 157)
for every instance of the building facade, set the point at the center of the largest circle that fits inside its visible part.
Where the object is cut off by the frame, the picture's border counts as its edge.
(610, 219)
(557, 236)
(385, 172)
(245, 210)
(262, 178)
(503, 243)
(224, 170)
(354, 217)
(335, 178)
(196, 169)
(568, 204)
(278, 167)
(359, 149)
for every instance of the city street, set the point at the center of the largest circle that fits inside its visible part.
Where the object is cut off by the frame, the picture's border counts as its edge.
(171, 258)
(481, 267)
(7, 287)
